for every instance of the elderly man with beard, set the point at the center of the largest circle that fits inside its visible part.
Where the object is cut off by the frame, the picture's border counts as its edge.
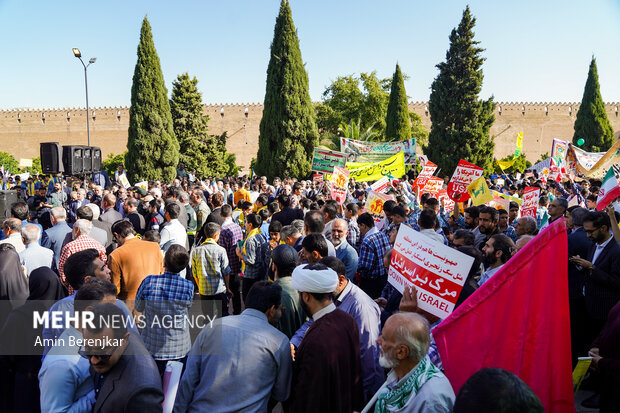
(344, 251)
(414, 384)
(496, 252)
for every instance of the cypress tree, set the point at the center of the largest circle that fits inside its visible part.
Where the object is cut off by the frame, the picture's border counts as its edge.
(288, 131)
(198, 150)
(397, 126)
(153, 151)
(592, 124)
(460, 121)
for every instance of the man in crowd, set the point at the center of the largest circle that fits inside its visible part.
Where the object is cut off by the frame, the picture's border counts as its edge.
(215, 366)
(201, 208)
(371, 271)
(126, 376)
(314, 223)
(330, 348)
(286, 215)
(496, 251)
(132, 261)
(525, 226)
(54, 237)
(504, 227)
(292, 236)
(173, 232)
(109, 215)
(350, 213)
(34, 256)
(251, 254)
(344, 252)
(283, 262)
(414, 384)
(488, 218)
(230, 236)
(81, 241)
(12, 228)
(192, 222)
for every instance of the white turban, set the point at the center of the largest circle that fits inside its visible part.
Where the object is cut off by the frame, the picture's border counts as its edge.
(314, 281)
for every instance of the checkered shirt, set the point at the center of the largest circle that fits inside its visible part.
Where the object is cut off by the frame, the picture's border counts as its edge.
(166, 338)
(353, 238)
(209, 266)
(81, 243)
(230, 235)
(372, 251)
(510, 232)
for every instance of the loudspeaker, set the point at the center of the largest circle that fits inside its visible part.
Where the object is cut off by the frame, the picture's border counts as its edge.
(96, 156)
(88, 159)
(7, 198)
(73, 159)
(51, 158)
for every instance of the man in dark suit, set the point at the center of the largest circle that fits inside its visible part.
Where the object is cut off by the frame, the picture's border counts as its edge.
(287, 214)
(130, 207)
(578, 245)
(54, 238)
(125, 375)
(109, 215)
(602, 272)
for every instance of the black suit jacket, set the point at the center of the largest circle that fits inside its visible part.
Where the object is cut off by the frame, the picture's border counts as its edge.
(288, 215)
(133, 384)
(603, 282)
(578, 244)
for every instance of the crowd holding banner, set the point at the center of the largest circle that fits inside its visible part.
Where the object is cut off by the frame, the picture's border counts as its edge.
(367, 288)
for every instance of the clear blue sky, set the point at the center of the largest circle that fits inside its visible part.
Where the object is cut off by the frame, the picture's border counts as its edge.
(535, 50)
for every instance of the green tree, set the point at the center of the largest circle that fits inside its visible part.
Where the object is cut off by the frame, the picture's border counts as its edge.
(198, 149)
(288, 131)
(592, 124)
(153, 151)
(36, 166)
(9, 162)
(460, 121)
(362, 99)
(111, 163)
(418, 130)
(397, 120)
(230, 167)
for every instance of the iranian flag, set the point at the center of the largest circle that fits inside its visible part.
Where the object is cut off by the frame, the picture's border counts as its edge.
(610, 189)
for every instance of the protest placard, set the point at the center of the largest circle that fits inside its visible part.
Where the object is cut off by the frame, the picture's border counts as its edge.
(433, 186)
(365, 151)
(427, 171)
(394, 166)
(340, 181)
(124, 181)
(448, 204)
(530, 201)
(374, 205)
(143, 184)
(317, 178)
(324, 160)
(381, 185)
(438, 272)
(464, 174)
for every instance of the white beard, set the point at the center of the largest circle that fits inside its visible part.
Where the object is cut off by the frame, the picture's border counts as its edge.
(386, 362)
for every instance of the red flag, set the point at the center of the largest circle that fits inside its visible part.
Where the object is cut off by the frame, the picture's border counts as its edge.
(519, 321)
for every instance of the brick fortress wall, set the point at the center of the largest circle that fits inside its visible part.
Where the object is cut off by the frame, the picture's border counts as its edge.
(21, 131)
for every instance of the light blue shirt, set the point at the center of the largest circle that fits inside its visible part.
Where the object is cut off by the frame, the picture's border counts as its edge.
(236, 365)
(64, 378)
(36, 256)
(488, 274)
(347, 254)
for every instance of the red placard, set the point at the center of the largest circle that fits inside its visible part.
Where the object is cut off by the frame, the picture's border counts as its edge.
(464, 174)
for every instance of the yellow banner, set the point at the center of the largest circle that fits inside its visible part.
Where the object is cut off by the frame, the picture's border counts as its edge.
(508, 197)
(356, 165)
(519, 149)
(479, 192)
(505, 164)
(394, 166)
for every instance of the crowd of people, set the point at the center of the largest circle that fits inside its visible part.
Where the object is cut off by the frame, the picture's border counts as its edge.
(295, 284)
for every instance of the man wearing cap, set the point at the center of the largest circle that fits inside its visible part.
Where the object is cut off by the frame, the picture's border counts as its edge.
(283, 262)
(327, 373)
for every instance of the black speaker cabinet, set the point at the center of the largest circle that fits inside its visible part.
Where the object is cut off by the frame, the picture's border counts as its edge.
(73, 159)
(51, 158)
(87, 159)
(96, 155)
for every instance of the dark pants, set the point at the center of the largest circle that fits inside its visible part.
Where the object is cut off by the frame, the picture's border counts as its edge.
(235, 287)
(373, 286)
(210, 305)
(246, 285)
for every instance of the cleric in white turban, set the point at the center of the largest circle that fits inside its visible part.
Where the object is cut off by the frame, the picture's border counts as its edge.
(330, 348)
(314, 278)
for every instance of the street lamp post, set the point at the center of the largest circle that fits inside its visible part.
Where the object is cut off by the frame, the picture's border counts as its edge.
(78, 54)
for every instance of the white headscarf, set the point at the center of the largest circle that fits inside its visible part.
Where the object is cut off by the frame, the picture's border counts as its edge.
(314, 281)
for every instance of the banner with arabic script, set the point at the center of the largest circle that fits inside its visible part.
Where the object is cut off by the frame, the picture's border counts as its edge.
(394, 166)
(324, 160)
(365, 151)
(592, 164)
(438, 272)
